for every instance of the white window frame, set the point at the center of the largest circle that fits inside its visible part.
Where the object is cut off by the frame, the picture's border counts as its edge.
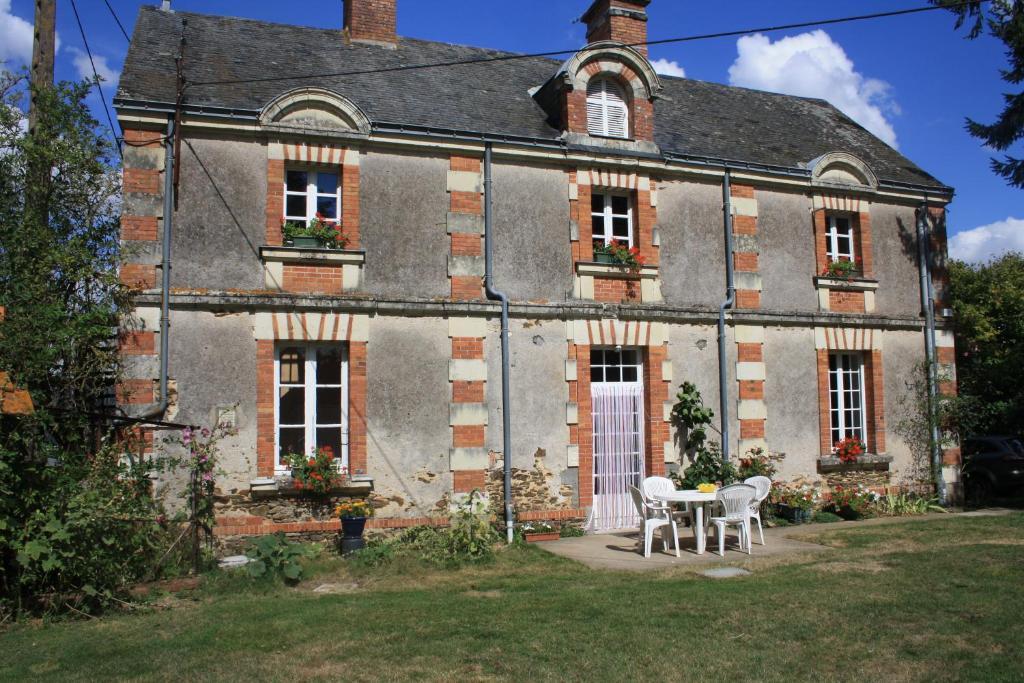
(639, 365)
(310, 386)
(848, 366)
(833, 235)
(604, 95)
(312, 194)
(608, 215)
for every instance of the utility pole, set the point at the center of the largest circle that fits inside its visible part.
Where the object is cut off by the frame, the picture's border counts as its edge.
(44, 37)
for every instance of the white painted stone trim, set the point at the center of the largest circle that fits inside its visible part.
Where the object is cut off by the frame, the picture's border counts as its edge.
(666, 411)
(612, 270)
(750, 371)
(465, 223)
(311, 326)
(743, 206)
(572, 455)
(467, 327)
(666, 370)
(460, 266)
(745, 280)
(313, 256)
(606, 332)
(467, 414)
(749, 334)
(848, 338)
(751, 409)
(570, 371)
(944, 338)
(650, 291)
(744, 445)
(467, 370)
(468, 459)
(465, 181)
(572, 413)
(854, 285)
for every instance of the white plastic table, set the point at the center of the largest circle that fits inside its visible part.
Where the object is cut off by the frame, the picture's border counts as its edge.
(697, 501)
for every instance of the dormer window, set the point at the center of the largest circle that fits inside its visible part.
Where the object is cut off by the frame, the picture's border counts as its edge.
(607, 112)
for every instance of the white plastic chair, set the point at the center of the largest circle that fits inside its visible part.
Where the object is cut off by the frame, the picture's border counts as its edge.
(653, 517)
(651, 486)
(733, 503)
(764, 487)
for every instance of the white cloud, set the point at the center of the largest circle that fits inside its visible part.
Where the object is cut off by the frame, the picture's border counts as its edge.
(80, 59)
(985, 242)
(16, 45)
(813, 65)
(668, 68)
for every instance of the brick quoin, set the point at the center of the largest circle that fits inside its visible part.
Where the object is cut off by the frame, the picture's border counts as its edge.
(862, 243)
(746, 352)
(139, 228)
(585, 246)
(748, 298)
(140, 343)
(350, 204)
(744, 225)
(357, 407)
(751, 429)
(737, 190)
(141, 181)
(845, 302)
(143, 138)
(745, 261)
(464, 481)
(874, 390)
(752, 389)
(584, 430)
(647, 218)
(464, 163)
(312, 279)
(135, 391)
(275, 201)
(265, 408)
(138, 276)
(951, 456)
(466, 202)
(467, 287)
(655, 395)
(467, 347)
(468, 392)
(820, 241)
(945, 355)
(824, 420)
(468, 436)
(466, 245)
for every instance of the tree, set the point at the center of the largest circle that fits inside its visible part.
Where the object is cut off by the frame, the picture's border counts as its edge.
(989, 304)
(1004, 20)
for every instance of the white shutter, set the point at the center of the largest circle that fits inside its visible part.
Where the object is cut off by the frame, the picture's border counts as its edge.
(607, 113)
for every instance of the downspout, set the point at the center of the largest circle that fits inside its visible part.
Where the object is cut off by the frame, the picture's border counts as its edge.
(928, 303)
(730, 298)
(165, 269)
(495, 295)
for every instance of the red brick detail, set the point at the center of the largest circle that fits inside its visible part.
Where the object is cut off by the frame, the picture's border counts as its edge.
(141, 180)
(874, 390)
(951, 456)
(404, 522)
(615, 290)
(744, 225)
(582, 434)
(265, 408)
(752, 389)
(143, 138)
(357, 407)
(820, 242)
(467, 287)
(138, 228)
(824, 419)
(842, 301)
(468, 436)
(138, 276)
(642, 115)
(745, 261)
(624, 29)
(275, 201)
(468, 392)
(862, 242)
(737, 190)
(350, 204)
(464, 481)
(749, 353)
(466, 202)
(135, 391)
(467, 347)
(752, 429)
(140, 343)
(646, 219)
(310, 279)
(748, 298)
(946, 355)
(947, 387)
(552, 515)
(655, 395)
(466, 245)
(583, 250)
(464, 163)
(372, 20)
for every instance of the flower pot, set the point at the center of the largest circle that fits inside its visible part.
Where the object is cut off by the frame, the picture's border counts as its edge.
(352, 527)
(604, 258)
(792, 514)
(542, 536)
(306, 243)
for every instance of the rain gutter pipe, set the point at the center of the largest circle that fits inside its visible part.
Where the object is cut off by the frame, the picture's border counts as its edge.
(928, 303)
(165, 268)
(730, 298)
(496, 295)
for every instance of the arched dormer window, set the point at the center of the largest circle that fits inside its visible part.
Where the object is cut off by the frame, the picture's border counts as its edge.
(607, 111)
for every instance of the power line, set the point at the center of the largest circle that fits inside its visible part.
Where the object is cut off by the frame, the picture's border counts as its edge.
(554, 53)
(96, 77)
(119, 24)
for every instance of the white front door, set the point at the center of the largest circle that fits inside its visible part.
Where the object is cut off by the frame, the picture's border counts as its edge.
(617, 410)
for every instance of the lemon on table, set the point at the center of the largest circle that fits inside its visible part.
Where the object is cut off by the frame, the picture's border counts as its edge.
(707, 488)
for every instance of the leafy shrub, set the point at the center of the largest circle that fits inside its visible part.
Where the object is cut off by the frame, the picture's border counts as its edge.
(900, 504)
(707, 467)
(756, 463)
(571, 531)
(277, 557)
(822, 517)
(856, 499)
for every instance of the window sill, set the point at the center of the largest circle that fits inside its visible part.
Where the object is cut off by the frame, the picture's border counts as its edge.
(315, 256)
(287, 269)
(854, 284)
(282, 484)
(615, 270)
(871, 461)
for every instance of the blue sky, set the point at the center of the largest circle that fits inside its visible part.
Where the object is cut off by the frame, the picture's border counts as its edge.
(911, 79)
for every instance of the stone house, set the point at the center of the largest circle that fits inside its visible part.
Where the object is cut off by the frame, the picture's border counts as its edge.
(735, 201)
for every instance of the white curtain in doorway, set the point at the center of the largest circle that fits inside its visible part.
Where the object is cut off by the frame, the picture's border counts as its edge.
(618, 412)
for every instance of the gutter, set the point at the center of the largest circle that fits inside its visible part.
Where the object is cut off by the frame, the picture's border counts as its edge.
(928, 303)
(165, 270)
(496, 295)
(730, 299)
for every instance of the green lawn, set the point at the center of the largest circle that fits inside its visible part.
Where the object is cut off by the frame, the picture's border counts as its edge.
(935, 599)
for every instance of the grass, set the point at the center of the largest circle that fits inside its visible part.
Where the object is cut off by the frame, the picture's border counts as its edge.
(936, 599)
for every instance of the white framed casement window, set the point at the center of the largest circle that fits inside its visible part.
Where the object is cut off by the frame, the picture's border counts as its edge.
(611, 218)
(839, 238)
(308, 192)
(846, 396)
(311, 400)
(607, 111)
(616, 366)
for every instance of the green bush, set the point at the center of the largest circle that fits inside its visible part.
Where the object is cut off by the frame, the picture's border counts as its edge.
(901, 504)
(274, 556)
(822, 517)
(708, 467)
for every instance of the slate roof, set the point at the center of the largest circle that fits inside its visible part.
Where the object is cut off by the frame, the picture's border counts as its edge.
(693, 117)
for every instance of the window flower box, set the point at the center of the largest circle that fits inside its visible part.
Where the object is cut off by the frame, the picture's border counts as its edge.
(867, 461)
(542, 536)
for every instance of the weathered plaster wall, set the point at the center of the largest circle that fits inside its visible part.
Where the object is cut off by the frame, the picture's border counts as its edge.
(692, 256)
(791, 394)
(532, 258)
(220, 223)
(787, 262)
(407, 413)
(902, 359)
(693, 350)
(895, 260)
(403, 209)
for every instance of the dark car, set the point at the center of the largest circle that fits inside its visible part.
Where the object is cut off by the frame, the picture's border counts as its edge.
(993, 465)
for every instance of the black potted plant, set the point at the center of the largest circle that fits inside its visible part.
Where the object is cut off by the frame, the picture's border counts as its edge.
(319, 233)
(619, 253)
(353, 514)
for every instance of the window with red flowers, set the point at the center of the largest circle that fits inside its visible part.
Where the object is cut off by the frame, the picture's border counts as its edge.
(311, 406)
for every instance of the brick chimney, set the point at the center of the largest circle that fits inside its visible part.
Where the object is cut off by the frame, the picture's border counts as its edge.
(624, 21)
(370, 21)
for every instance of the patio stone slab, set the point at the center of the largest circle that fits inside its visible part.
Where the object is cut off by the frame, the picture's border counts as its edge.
(725, 572)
